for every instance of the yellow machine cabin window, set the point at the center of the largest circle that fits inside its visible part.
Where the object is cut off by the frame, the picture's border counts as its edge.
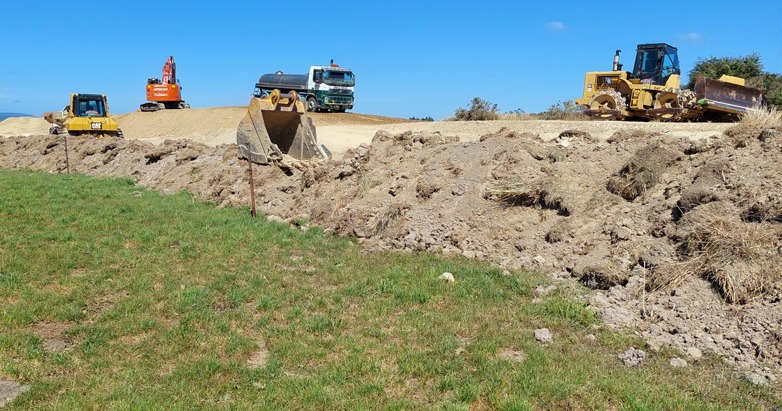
(607, 82)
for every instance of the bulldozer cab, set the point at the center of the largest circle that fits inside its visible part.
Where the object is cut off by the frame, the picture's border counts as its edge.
(89, 105)
(655, 63)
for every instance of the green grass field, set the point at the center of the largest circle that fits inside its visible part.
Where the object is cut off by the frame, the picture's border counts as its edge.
(114, 297)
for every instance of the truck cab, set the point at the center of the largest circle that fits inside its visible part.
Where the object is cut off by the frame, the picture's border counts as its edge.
(332, 88)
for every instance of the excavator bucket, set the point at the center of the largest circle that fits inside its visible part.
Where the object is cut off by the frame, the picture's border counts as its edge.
(728, 95)
(275, 125)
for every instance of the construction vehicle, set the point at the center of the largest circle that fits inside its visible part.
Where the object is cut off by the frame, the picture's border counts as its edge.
(87, 114)
(653, 91)
(324, 88)
(165, 92)
(276, 124)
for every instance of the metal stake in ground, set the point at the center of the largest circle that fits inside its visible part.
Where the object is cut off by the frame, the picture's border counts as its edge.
(252, 184)
(67, 163)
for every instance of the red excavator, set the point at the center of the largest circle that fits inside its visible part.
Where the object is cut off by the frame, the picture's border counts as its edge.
(166, 92)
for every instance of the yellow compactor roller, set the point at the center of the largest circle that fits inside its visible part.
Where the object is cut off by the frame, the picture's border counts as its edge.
(652, 90)
(276, 125)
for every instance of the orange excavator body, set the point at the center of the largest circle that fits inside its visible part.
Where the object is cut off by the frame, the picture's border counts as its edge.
(165, 92)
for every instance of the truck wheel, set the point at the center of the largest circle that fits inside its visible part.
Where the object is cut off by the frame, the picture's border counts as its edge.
(312, 104)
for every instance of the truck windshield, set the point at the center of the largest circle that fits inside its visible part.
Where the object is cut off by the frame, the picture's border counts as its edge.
(339, 78)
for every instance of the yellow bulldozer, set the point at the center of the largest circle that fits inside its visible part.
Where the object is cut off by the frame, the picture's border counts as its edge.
(653, 91)
(87, 114)
(277, 125)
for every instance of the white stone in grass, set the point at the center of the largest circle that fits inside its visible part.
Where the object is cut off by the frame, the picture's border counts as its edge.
(543, 291)
(678, 362)
(632, 357)
(446, 276)
(693, 353)
(544, 336)
(274, 218)
(9, 390)
(755, 379)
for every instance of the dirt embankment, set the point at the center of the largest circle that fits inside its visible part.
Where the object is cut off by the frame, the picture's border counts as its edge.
(212, 126)
(679, 236)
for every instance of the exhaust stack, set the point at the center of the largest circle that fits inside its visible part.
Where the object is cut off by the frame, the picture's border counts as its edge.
(617, 65)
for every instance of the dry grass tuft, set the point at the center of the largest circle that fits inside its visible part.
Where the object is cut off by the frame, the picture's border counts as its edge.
(558, 197)
(752, 125)
(561, 230)
(702, 190)
(513, 115)
(425, 188)
(762, 119)
(740, 259)
(670, 275)
(642, 172)
(390, 216)
(603, 276)
(514, 193)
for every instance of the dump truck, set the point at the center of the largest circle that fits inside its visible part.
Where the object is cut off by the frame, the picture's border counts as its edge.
(87, 114)
(165, 92)
(323, 88)
(652, 90)
(276, 124)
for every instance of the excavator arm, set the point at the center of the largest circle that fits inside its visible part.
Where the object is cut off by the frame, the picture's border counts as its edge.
(169, 71)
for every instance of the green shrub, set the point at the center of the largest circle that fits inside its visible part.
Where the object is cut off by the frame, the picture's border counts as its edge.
(744, 67)
(479, 110)
(749, 68)
(564, 110)
(771, 84)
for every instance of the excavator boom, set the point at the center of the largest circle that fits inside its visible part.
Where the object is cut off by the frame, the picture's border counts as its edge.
(169, 71)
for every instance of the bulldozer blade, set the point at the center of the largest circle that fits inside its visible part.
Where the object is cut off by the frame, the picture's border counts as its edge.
(55, 117)
(726, 96)
(275, 126)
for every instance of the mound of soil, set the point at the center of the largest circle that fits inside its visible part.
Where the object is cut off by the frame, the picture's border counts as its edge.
(679, 238)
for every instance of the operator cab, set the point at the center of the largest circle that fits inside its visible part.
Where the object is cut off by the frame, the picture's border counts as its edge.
(90, 105)
(655, 63)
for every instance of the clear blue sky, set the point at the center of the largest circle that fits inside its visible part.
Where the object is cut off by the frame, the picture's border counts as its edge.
(411, 58)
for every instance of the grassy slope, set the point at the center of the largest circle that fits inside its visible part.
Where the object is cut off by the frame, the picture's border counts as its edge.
(163, 300)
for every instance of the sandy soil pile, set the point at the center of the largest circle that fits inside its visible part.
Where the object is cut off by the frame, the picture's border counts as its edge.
(678, 236)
